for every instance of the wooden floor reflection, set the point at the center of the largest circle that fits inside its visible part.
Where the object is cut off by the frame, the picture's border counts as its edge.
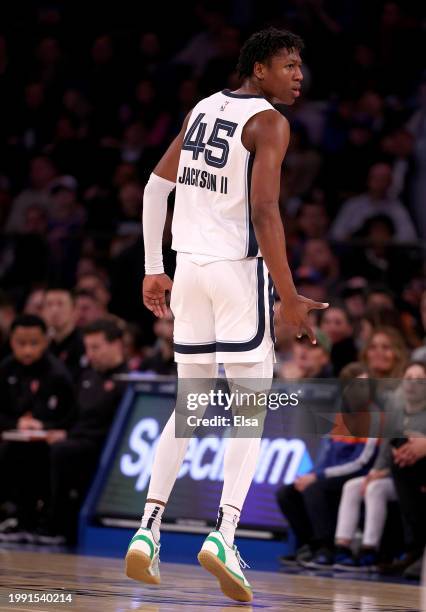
(97, 583)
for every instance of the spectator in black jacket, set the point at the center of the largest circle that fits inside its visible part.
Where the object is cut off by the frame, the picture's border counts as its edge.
(36, 394)
(75, 454)
(408, 469)
(66, 340)
(35, 389)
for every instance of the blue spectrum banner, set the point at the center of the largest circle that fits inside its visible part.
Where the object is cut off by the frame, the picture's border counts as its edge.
(121, 486)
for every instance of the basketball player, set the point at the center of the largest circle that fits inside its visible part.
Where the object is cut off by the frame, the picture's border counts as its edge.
(227, 231)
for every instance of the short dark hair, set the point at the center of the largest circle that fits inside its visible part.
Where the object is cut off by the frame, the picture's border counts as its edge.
(416, 362)
(353, 370)
(338, 304)
(263, 45)
(108, 327)
(6, 300)
(96, 275)
(61, 289)
(85, 293)
(383, 289)
(29, 320)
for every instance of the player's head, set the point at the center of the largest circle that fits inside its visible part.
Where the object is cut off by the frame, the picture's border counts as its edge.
(271, 60)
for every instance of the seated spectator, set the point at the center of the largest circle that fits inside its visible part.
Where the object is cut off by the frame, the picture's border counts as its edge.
(310, 504)
(7, 315)
(375, 317)
(204, 45)
(25, 257)
(419, 354)
(35, 221)
(385, 354)
(409, 472)
(34, 302)
(318, 255)
(36, 394)
(97, 284)
(302, 165)
(410, 306)
(134, 349)
(65, 211)
(66, 221)
(74, 454)
(377, 488)
(312, 218)
(309, 360)
(42, 172)
(309, 283)
(375, 256)
(380, 297)
(88, 307)
(399, 146)
(353, 294)
(130, 199)
(355, 211)
(284, 341)
(66, 341)
(220, 67)
(336, 324)
(161, 360)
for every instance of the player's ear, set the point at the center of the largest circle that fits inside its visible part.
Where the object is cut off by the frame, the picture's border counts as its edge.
(259, 70)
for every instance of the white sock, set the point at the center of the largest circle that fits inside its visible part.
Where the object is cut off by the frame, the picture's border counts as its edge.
(152, 519)
(171, 451)
(227, 521)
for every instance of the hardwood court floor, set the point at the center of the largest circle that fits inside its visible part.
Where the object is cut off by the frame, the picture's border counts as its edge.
(98, 583)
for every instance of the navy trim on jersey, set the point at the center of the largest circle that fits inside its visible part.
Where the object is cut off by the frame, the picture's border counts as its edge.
(253, 247)
(227, 92)
(229, 347)
(194, 349)
(271, 298)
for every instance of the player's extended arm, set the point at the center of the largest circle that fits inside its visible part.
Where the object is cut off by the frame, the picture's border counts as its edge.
(267, 136)
(157, 190)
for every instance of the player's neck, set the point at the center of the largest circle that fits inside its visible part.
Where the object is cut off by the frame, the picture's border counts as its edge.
(250, 87)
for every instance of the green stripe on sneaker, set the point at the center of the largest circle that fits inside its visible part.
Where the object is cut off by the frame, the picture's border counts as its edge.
(221, 549)
(143, 538)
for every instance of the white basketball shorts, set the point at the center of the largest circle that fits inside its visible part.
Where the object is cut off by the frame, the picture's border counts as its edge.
(223, 311)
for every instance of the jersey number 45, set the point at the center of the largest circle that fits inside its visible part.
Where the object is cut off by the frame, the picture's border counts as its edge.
(194, 141)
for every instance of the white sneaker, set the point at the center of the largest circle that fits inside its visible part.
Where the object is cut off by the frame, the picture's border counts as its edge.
(225, 563)
(143, 557)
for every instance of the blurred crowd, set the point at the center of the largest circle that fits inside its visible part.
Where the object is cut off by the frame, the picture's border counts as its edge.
(90, 104)
(88, 117)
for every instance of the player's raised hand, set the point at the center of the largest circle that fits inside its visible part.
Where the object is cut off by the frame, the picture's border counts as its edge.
(154, 293)
(295, 311)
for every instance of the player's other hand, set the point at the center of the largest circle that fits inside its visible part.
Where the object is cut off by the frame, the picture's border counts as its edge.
(295, 311)
(154, 290)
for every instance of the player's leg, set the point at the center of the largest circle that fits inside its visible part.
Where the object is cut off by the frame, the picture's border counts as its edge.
(171, 450)
(193, 324)
(143, 553)
(242, 297)
(219, 555)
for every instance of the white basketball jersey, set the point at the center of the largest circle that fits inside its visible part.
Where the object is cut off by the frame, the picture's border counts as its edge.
(212, 214)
